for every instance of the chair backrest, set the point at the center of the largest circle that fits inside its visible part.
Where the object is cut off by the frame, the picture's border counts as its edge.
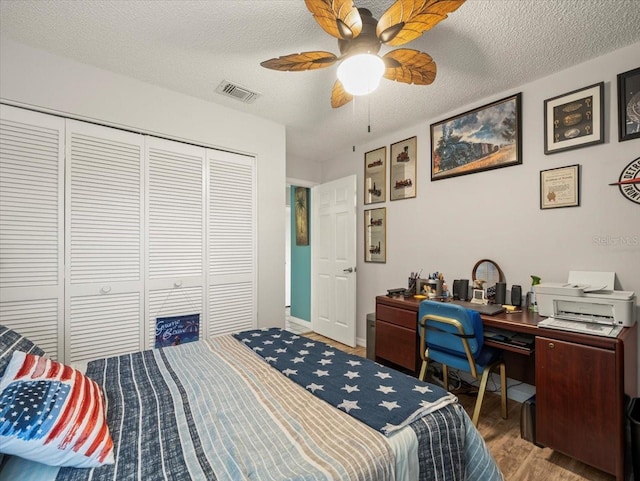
(451, 329)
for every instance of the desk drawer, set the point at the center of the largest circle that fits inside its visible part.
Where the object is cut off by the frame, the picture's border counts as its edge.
(400, 317)
(396, 344)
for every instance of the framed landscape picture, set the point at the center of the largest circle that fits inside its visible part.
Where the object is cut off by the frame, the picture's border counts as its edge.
(485, 138)
(375, 235)
(574, 120)
(402, 183)
(375, 176)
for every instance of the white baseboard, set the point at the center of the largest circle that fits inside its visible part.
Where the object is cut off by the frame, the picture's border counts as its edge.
(297, 325)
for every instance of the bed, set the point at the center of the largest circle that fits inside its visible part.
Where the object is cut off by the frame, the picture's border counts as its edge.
(269, 405)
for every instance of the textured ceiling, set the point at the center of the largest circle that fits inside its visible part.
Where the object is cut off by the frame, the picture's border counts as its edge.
(485, 47)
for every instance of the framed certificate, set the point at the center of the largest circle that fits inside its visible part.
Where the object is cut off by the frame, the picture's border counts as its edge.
(560, 187)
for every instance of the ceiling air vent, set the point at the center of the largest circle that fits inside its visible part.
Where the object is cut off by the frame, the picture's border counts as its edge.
(237, 92)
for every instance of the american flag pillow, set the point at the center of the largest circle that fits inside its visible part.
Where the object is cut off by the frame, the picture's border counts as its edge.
(52, 414)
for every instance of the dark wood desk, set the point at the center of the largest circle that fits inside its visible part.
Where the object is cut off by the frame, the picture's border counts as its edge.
(581, 380)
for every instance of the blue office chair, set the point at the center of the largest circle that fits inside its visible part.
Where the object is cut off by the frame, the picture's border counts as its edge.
(453, 336)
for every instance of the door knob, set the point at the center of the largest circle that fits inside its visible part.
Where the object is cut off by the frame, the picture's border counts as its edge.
(350, 269)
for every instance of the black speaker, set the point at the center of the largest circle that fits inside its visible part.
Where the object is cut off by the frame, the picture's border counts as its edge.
(501, 293)
(461, 289)
(516, 296)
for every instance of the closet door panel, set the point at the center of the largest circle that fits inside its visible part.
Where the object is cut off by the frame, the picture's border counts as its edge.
(104, 226)
(32, 225)
(232, 242)
(103, 325)
(175, 235)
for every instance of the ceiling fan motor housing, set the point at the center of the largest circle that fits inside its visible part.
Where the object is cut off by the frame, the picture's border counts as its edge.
(367, 41)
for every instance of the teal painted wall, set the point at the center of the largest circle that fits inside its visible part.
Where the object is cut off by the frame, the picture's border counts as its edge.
(300, 267)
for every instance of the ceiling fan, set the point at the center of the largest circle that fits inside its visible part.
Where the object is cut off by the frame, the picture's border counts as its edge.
(360, 37)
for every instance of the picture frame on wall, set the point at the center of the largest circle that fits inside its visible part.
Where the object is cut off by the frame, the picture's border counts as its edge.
(302, 216)
(560, 187)
(629, 105)
(375, 176)
(375, 235)
(485, 138)
(402, 171)
(574, 120)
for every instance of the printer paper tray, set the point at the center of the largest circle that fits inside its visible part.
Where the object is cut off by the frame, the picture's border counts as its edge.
(581, 327)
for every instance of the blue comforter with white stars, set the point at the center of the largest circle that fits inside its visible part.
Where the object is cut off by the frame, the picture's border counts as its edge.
(382, 398)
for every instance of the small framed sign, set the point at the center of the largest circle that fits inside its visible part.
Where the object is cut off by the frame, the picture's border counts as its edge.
(174, 330)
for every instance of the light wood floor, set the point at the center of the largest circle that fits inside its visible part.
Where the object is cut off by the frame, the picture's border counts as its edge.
(519, 460)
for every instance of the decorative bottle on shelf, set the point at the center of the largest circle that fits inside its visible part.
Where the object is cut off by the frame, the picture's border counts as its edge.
(533, 305)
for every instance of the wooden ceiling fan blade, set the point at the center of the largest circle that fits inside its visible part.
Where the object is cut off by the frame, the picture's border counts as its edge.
(406, 20)
(339, 18)
(296, 62)
(339, 96)
(409, 66)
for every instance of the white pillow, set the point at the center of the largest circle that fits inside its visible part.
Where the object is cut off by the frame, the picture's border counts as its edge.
(52, 414)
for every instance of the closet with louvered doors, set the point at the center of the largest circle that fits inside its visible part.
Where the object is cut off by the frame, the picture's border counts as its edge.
(103, 231)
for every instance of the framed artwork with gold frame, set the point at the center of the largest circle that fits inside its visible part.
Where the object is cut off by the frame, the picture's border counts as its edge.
(375, 176)
(402, 171)
(375, 235)
(302, 216)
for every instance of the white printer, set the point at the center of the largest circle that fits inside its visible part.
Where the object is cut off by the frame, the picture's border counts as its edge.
(586, 303)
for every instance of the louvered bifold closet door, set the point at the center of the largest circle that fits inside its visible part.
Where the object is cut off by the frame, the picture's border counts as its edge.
(104, 261)
(32, 226)
(232, 242)
(175, 231)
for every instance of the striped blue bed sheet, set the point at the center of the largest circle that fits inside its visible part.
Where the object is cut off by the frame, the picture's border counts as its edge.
(214, 410)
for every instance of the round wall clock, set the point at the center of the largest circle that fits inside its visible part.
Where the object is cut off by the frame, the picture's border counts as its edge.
(629, 182)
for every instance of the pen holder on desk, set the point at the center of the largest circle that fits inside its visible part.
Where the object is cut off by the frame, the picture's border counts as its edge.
(435, 287)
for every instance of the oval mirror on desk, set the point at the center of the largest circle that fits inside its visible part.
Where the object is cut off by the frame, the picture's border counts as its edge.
(487, 271)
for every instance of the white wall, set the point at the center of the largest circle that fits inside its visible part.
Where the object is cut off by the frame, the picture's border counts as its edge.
(453, 223)
(31, 77)
(309, 171)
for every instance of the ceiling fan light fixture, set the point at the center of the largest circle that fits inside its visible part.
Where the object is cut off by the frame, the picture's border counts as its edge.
(361, 74)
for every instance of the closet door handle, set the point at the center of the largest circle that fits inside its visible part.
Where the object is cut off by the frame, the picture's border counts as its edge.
(105, 290)
(177, 284)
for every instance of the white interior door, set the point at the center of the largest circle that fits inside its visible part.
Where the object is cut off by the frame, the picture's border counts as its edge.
(333, 252)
